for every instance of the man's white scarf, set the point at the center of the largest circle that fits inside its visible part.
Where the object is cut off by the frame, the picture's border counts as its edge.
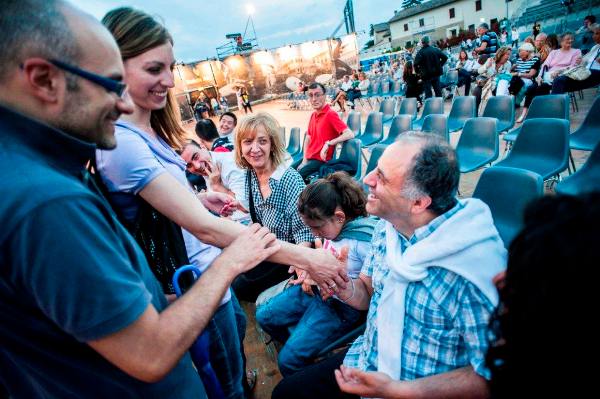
(467, 244)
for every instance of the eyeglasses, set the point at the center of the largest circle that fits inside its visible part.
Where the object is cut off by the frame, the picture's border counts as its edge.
(111, 85)
(316, 95)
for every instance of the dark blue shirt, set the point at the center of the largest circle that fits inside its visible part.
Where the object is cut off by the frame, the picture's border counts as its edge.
(491, 39)
(69, 273)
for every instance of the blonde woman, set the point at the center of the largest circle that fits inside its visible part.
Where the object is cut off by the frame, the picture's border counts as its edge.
(272, 191)
(494, 77)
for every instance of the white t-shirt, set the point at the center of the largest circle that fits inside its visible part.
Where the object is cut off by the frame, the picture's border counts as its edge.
(233, 179)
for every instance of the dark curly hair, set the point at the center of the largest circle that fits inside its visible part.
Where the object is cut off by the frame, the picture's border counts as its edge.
(539, 337)
(319, 199)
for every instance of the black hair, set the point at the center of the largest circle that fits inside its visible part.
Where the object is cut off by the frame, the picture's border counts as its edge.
(230, 114)
(207, 130)
(314, 85)
(435, 172)
(539, 334)
(591, 18)
(319, 199)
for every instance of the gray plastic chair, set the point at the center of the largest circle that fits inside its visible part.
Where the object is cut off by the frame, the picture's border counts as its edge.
(408, 106)
(353, 122)
(548, 106)
(431, 106)
(503, 109)
(294, 145)
(478, 144)
(542, 147)
(586, 179)
(400, 124)
(587, 136)
(507, 191)
(463, 108)
(397, 88)
(373, 130)
(437, 124)
(387, 108)
(351, 155)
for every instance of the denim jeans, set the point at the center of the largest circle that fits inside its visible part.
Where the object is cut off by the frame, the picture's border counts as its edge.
(226, 351)
(318, 324)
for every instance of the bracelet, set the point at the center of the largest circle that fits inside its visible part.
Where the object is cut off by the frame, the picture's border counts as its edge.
(351, 296)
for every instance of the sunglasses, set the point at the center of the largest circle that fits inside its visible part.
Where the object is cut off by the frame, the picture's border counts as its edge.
(110, 85)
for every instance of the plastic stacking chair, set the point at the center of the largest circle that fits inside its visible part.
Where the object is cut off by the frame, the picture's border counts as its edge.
(373, 130)
(297, 158)
(294, 145)
(478, 144)
(376, 152)
(387, 108)
(507, 191)
(503, 109)
(385, 89)
(396, 89)
(282, 133)
(463, 108)
(350, 154)
(451, 81)
(548, 106)
(437, 124)
(431, 106)
(353, 123)
(373, 91)
(542, 147)
(400, 124)
(587, 136)
(408, 106)
(585, 179)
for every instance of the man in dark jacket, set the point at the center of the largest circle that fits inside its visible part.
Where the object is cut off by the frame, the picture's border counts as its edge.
(428, 64)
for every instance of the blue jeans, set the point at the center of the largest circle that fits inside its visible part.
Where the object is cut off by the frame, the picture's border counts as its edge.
(318, 324)
(226, 351)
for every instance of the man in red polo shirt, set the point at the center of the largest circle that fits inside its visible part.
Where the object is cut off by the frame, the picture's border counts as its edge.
(325, 130)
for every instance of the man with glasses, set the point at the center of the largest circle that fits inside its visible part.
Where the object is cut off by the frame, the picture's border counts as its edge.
(75, 288)
(325, 131)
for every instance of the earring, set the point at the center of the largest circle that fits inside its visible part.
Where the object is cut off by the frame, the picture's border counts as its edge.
(340, 220)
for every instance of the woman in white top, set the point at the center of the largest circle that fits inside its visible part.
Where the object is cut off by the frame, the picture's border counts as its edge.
(494, 77)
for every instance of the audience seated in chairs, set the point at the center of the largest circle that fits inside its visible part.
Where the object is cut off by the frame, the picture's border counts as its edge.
(342, 94)
(493, 78)
(465, 68)
(591, 61)
(558, 61)
(524, 72)
(334, 209)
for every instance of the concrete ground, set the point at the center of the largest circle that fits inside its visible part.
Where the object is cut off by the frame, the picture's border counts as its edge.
(264, 357)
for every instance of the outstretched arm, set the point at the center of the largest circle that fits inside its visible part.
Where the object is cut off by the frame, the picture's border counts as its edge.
(461, 383)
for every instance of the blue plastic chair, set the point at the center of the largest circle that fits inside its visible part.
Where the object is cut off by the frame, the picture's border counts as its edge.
(408, 106)
(507, 191)
(548, 106)
(542, 147)
(373, 130)
(587, 136)
(503, 109)
(478, 144)
(431, 106)
(353, 122)
(294, 145)
(463, 108)
(400, 124)
(437, 124)
(586, 179)
(350, 154)
(387, 108)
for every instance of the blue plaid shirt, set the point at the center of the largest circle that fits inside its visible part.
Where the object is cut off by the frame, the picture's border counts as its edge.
(279, 211)
(446, 316)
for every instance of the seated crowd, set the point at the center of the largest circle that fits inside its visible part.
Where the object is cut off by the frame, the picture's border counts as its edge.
(90, 307)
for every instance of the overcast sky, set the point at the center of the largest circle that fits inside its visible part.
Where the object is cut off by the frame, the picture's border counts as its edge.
(199, 26)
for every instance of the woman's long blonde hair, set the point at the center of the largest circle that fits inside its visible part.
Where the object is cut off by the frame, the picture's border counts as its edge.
(137, 32)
